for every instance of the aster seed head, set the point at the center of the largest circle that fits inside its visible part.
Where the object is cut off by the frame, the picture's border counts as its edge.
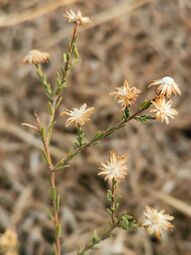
(166, 86)
(76, 18)
(162, 109)
(156, 222)
(36, 57)
(115, 168)
(78, 116)
(125, 95)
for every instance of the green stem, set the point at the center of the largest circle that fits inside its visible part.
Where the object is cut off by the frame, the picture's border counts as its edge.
(90, 245)
(113, 202)
(63, 162)
(54, 102)
(67, 67)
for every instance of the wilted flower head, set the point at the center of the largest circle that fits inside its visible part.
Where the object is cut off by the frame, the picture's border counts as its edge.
(36, 57)
(115, 168)
(9, 242)
(125, 95)
(163, 110)
(166, 86)
(78, 117)
(156, 222)
(76, 18)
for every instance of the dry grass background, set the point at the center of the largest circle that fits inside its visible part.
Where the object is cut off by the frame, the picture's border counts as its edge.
(138, 40)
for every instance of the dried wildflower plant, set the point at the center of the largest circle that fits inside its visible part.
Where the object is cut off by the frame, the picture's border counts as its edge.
(113, 170)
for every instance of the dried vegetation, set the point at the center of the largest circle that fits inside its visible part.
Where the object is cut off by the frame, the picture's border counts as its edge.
(138, 40)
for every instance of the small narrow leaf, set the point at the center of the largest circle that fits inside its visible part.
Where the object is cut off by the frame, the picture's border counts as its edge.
(50, 109)
(95, 237)
(65, 57)
(43, 133)
(58, 203)
(144, 118)
(44, 155)
(50, 215)
(126, 113)
(53, 194)
(109, 195)
(145, 105)
(99, 135)
(76, 54)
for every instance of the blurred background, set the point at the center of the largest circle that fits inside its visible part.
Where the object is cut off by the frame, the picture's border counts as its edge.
(138, 40)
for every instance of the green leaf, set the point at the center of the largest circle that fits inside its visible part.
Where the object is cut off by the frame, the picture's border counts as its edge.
(50, 109)
(145, 105)
(49, 135)
(109, 195)
(127, 222)
(44, 155)
(59, 102)
(76, 54)
(99, 136)
(43, 133)
(126, 113)
(109, 211)
(95, 237)
(144, 118)
(65, 57)
(50, 215)
(58, 203)
(124, 223)
(53, 194)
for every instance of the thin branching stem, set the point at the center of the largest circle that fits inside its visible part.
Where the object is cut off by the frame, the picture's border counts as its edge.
(91, 244)
(64, 162)
(46, 135)
(113, 202)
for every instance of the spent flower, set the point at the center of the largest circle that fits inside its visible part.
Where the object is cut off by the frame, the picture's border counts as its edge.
(76, 18)
(125, 95)
(163, 110)
(8, 242)
(166, 86)
(115, 168)
(78, 117)
(36, 57)
(155, 222)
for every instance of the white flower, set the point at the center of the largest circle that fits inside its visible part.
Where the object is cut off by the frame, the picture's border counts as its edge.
(115, 168)
(36, 57)
(80, 116)
(156, 222)
(125, 95)
(163, 110)
(166, 86)
(76, 18)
